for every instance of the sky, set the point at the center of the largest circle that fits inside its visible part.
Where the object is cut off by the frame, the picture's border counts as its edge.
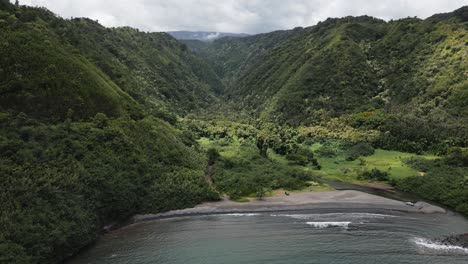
(237, 16)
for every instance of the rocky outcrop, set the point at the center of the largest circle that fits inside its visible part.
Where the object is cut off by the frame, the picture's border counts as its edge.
(455, 240)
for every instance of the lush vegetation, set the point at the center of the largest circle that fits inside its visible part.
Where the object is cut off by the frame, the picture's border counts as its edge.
(241, 171)
(349, 88)
(445, 180)
(64, 182)
(374, 175)
(82, 145)
(50, 65)
(98, 124)
(253, 160)
(332, 155)
(401, 83)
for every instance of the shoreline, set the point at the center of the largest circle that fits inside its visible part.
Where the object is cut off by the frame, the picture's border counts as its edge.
(331, 200)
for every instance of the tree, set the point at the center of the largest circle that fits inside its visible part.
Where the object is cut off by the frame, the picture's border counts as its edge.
(16, 3)
(213, 155)
(262, 185)
(267, 138)
(457, 157)
(100, 120)
(374, 175)
(360, 149)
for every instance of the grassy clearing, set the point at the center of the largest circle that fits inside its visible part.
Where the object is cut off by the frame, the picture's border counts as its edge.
(249, 163)
(231, 149)
(392, 162)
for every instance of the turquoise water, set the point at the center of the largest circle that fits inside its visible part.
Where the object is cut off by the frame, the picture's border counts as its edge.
(338, 236)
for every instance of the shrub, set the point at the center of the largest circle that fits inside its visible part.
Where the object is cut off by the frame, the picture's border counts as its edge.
(457, 157)
(297, 159)
(302, 156)
(326, 151)
(374, 175)
(360, 149)
(419, 163)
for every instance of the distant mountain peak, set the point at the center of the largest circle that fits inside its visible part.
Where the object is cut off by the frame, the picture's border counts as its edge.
(203, 35)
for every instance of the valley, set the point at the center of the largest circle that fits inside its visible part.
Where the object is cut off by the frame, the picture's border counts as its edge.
(100, 124)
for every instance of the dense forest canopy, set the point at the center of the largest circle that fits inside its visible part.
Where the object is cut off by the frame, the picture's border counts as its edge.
(98, 124)
(409, 75)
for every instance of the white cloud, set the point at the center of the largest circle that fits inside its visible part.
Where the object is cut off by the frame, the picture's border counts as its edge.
(237, 16)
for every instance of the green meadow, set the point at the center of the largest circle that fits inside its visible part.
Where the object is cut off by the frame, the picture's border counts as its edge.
(393, 162)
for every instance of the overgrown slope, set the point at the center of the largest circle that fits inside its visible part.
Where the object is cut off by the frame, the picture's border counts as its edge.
(51, 64)
(43, 77)
(61, 184)
(81, 147)
(414, 71)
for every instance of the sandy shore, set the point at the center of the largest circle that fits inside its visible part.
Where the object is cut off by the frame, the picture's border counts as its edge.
(300, 201)
(377, 185)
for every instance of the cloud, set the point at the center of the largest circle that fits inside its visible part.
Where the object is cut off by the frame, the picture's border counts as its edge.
(237, 16)
(212, 36)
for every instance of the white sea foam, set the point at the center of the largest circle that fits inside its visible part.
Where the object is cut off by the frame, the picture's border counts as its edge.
(334, 215)
(329, 224)
(240, 214)
(426, 243)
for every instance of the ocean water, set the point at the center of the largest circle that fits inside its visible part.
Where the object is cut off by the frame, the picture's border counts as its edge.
(326, 236)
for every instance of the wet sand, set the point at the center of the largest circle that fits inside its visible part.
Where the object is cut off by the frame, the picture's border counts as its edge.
(347, 199)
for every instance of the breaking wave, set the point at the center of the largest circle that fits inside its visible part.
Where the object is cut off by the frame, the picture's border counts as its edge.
(242, 214)
(336, 215)
(329, 224)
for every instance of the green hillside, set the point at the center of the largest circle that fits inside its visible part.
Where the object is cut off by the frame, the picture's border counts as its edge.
(45, 78)
(82, 147)
(153, 68)
(52, 64)
(412, 70)
(98, 124)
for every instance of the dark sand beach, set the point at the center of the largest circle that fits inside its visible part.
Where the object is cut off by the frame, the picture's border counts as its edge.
(347, 199)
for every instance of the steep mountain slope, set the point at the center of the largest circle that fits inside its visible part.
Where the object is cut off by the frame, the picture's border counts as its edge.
(413, 70)
(230, 56)
(69, 58)
(80, 147)
(152, 67)
(44, 78)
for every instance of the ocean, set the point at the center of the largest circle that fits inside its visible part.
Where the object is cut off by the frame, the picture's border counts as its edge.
(318, 236)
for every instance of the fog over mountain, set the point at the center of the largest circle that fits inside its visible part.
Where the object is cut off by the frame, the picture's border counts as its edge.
(237, 16)
(202, 35)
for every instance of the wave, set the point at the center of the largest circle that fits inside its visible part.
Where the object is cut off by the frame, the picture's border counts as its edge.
(329, 215)
(242, 214)
(329, 224)
(426, 243)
